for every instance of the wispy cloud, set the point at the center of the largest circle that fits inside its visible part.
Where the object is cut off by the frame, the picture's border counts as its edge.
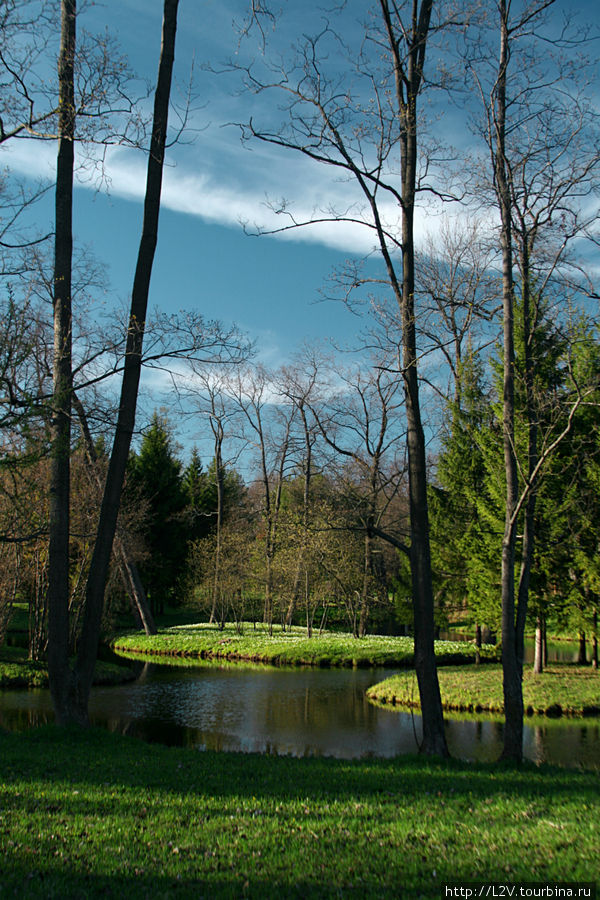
(236, 187)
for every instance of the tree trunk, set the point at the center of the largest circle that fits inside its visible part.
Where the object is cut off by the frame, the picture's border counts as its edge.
(477, 644)
(595, 640)
(220, 501)
(532, 449)
(134, 587)
(58, 566)
(130, 575)
(511, 658)
(408, 77)
(364, 597)
(88, 646)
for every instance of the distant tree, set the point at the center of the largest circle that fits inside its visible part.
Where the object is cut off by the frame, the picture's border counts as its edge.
(268, 427)
(155, 474)
(539, 125)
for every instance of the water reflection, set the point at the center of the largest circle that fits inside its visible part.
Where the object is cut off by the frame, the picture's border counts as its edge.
(301, 712)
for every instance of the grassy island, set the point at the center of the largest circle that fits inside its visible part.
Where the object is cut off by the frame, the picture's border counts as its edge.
(291, 647)
(560, 690)
(89, 814)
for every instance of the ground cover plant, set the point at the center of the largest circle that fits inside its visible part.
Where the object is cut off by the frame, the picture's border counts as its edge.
(560, 690)
(87, 813)
(290, 647)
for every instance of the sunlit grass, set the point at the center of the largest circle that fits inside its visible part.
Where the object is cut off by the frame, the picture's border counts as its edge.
(290, 647)
(561, 689)
(86, 814)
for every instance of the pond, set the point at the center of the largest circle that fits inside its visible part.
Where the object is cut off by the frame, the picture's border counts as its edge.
(301, 712)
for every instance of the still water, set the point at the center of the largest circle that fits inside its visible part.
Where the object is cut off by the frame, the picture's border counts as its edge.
(301, 712)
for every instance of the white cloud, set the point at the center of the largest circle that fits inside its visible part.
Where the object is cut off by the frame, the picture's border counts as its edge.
(235, 188)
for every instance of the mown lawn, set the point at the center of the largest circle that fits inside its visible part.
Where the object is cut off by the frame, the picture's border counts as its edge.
(560, 690)
(89, 814)
(291, 647)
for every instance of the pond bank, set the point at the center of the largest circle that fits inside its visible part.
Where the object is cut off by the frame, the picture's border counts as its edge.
(560, 690)
(291, 647)
(17, 671)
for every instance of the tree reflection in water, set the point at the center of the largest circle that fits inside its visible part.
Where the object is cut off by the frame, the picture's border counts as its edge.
(301, 712)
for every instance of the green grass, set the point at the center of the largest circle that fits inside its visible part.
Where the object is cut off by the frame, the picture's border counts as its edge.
(291, 647)
(87, 814)
(18, 671)
(560, 690)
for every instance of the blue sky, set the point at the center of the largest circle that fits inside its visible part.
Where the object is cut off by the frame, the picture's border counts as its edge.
(269, 286)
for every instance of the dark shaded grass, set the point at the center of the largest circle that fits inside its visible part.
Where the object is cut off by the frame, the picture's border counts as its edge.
(86, 814)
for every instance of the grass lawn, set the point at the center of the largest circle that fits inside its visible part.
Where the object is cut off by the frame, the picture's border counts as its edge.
(291, 647)
(87, 814)
(18, 671)
(560, 690)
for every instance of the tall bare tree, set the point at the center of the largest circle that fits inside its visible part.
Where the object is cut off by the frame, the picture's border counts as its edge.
(359, 122)
(542, 138)
(58, 576)
(71, 686)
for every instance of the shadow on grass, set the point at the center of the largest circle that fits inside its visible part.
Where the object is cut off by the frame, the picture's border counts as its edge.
(87, 813)
(92, 755)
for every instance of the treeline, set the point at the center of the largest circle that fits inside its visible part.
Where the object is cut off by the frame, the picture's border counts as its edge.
(316, 532)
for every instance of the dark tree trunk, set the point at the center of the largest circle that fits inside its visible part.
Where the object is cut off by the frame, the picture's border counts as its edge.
(511, 657)
(94, 601)
(595, 640)
(130, 575)
(363, 617)
(477, 644)
(58, 555)
(408, 75)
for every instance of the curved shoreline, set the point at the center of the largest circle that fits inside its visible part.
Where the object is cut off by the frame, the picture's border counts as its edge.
(572, 692)
(289, 648)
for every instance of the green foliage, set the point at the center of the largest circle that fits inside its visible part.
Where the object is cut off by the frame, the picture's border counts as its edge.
(87, 813)
(200, 489)
(464, 506)
(155, 475)
(467, 501)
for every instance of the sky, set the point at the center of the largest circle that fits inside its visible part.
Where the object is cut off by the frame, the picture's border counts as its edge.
(269, 286)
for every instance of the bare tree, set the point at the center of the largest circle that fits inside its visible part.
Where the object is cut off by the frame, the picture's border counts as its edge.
(544, 163)
(358, 122)
(361, 422)
(269, 429)
(70, 687)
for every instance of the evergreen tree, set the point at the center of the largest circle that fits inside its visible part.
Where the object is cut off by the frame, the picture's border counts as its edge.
(464, 537)
(155, 472)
